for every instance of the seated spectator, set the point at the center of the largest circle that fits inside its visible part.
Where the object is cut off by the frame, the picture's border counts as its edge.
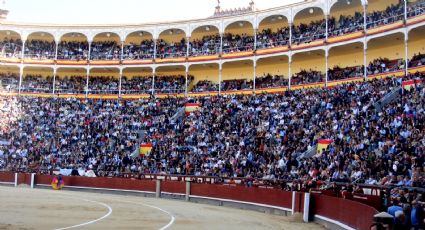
(136, 85)
(307, 77)
(205, 86)
(37, 83)
(9, 82)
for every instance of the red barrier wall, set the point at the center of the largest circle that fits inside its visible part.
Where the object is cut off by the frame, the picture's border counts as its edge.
(7, 177)
(256, 195)
(173, 187)
(102, 182)
(351, 213)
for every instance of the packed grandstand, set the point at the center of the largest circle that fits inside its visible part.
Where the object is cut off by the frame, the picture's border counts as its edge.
(331, 96)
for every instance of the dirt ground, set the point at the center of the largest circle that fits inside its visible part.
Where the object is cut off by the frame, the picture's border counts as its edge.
(25, 208)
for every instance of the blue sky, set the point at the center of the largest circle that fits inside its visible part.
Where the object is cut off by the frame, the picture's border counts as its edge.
(121, 11)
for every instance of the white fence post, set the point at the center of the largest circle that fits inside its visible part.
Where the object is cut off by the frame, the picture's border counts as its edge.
(32, 180)
(306, 207)
(16, 179)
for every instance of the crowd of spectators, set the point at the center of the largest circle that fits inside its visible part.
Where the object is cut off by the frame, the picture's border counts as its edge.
(71, 84)
(10, 48)
(105, 50)
(171, 49)
(39, 49)
(103, 85)
(268, 38)
(136, 85)
(205, 86)
(307, 77)
(384, 65)
(237, 43)
(9, 82)
(270, 81)
(338, 73)
(207, 45)
(239, 135)
(144, 50)
(73, 50)
(171, 84)
(37, 83)
(417, 60)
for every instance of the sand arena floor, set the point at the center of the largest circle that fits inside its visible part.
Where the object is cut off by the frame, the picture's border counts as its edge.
(25, 208)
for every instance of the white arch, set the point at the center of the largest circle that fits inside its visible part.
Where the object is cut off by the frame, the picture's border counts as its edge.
(127, 33)
(161, 29)
(261, 19)
(286, 13)
(63, 34)
(249, 18)
(239, 21)
(317, 4)
(105, 32)
(194, 27)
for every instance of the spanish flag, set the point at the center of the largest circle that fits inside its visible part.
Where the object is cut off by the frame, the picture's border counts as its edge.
(323, 144)
(145, 148)
(407, 85)
(191, 107)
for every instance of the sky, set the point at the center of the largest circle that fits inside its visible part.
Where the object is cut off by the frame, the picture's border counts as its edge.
(121, 11)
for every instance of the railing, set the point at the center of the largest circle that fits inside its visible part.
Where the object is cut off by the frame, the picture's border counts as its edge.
(177, 54)
(141, 91)
(40, 56)
(387, 99)
(75, 57)
(302, 38)
(384, 21)
(36, 90)
(103, 91)
(416, 9)
(235, 49)
(263, 44)
(138, 56)
(346, 30)
(105, 57)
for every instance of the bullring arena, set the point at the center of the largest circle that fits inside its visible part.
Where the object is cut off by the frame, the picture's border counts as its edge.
(23, 208)
(300, 115)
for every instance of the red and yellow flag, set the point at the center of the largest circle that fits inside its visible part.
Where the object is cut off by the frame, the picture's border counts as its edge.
(145, 148)
(191, 107)
(323, 144)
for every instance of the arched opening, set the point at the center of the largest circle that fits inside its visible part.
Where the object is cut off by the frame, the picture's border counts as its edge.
(205, 78)
(238, 37)
(73, 46)
(9, 78)
(385, 54)
(10, 44)
(237, 75)
(416, 48)
(104, 81)
(171, 79)
(346, 62)
(309, 25)
(139, 45)
(308, 68)
(37, 80)
(136, 80)
(383, 12)
(346, 16)
(71, 80)
(205, 40)
(105, 46)
(273, 31)
(272, 72)
(40, 46)
(172, 43)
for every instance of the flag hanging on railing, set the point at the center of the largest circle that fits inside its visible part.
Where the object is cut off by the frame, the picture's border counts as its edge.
(145, 148)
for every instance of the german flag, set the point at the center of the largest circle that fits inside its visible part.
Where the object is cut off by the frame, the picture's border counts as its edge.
(323, 144)
(191, 107)
(145, 149)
